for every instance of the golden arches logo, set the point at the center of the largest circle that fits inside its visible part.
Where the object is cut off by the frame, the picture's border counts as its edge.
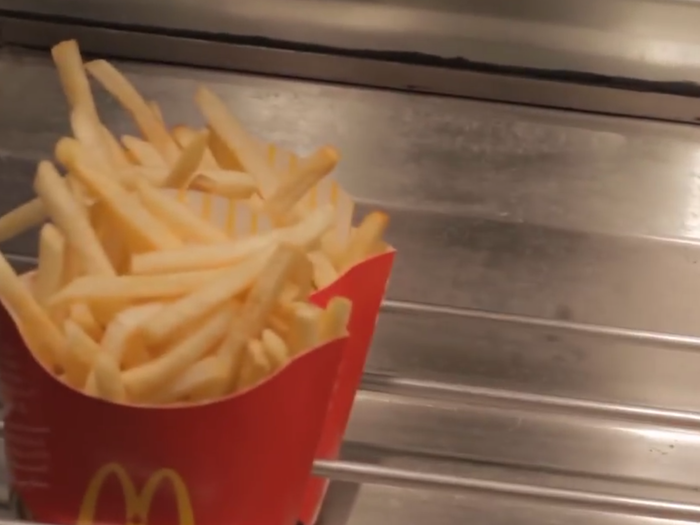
(137, 505)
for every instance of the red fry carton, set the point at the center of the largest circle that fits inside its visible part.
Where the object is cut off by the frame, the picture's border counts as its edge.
(242, 460)
(365, 285)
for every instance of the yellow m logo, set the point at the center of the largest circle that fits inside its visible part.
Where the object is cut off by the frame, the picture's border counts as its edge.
(137, 505)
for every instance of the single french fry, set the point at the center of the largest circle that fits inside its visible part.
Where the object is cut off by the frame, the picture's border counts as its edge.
(183, 136)
(333, 248)
(21, 219)
(304, 332)
(123, 338)
(92, 288)
(65, 213)
(115, 246)
(141, 382)
(323, 271)
(259, 303)
(143, 152)
(367, 235)
(109, 384)
(48, 339)
(200, 302)
(230, 184)
(225, 158)
(50, 270)
(69, 63)
(179, 217)
(294, 186)
(237, 140)
(188, 162)
(202, 257)
(88, 130)
(256, 365)
(127, 95)
(83, 352)
(308, 232)
(156, 111)
(275, 348)
(335, 318)
(81, 315)
(118, 156)
(150, 232)
(203, 380)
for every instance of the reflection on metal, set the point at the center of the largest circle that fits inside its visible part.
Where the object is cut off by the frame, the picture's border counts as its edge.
(538, 354)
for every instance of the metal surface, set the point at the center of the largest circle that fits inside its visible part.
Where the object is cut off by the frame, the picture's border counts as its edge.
(537, 359)
(649, 39)
(623, 57)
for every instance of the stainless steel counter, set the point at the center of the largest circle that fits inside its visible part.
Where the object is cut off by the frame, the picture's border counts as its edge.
(537, 358)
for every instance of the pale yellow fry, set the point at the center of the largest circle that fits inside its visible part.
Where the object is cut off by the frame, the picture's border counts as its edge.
(131, 176)
(304, 333)
(115, 246)
(127, 288)
(118, 156)
(50, 270)
(256, 365)
(88, 130)
(143, 152)
(131, 214)
(109, 384)
(82, 351)
(203, 256)
(183, 136)
(230, 184)
(188, 309)
(123, 338)
(308, 232)
(203, 380)
(234, 136)
(323, 271)
(48, 339)
(156, 111)
(188, 162)
(365, 238)
(143, 381)
(275, 347)
(179, 217)
(80, 193)
(225, 158)
(69, 63)
(259, 303)
(333, 248)
(21, 219)
(74, 224)
(81, 315)
(305, 176)
(335, 319)
(127, 95)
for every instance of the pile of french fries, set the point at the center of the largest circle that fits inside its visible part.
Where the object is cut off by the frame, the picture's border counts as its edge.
(140, 299)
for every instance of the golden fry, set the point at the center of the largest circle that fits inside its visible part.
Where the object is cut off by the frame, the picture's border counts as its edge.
(21, 219)
(67, 215)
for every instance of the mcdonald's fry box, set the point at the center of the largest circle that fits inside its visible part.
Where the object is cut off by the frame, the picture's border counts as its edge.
(240, 460)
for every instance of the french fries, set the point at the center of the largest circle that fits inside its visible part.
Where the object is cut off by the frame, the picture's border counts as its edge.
(148, 289)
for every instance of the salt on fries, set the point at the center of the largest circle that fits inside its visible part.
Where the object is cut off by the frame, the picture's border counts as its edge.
(138, 297)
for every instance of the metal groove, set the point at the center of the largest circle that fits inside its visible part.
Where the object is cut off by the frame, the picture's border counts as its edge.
(372, 474)
(677, 341)
(512, 400)
(136, 45)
